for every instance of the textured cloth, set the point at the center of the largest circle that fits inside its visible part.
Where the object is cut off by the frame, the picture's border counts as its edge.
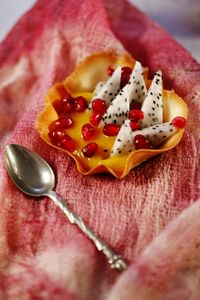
(151, 216)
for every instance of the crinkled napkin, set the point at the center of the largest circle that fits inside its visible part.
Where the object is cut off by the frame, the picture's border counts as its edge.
(151, 217)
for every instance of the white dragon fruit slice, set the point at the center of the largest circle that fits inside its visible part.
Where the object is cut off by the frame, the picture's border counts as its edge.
(137, 87)
(110, 88)
(124, 141)
(153, 104)
(156, 134)
(118, 110)
(98, 87)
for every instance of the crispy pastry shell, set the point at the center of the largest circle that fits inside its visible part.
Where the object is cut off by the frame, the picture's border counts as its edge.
(83, 81)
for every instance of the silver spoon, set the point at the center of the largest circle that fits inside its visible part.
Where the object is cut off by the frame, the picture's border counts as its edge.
(33, 176)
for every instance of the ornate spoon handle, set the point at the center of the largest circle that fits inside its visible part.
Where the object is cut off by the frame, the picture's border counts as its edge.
(115, 260)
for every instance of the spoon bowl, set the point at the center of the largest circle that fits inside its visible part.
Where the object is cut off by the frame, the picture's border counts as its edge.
(33, 176)
(30, 173)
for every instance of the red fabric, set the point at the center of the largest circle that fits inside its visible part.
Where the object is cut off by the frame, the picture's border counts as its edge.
(42, 256)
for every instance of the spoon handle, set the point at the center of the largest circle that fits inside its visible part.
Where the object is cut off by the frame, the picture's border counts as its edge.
(115, 260)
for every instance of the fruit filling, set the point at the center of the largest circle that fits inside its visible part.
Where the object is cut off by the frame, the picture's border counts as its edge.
(123, 114)
(109, 117)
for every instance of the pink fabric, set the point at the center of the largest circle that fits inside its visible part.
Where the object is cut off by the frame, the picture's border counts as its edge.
(151, 217)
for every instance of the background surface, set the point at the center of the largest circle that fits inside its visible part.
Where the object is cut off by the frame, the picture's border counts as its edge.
(181, 18)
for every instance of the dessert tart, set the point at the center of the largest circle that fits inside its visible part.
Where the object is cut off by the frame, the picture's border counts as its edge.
(110, 117)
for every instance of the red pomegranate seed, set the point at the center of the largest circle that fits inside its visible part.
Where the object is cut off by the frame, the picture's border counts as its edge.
(61, 123)
(125, 76)
(99, 106)
(56, 136)
(136, 115)
(111, 129)
(90, 149)
(65, 105)
(87, 131)
(110, 71)
(179, 122)
(69, 105)
(80, 104)
(95, 119)
(126, 71)
(67, 143)
(134, 125)
(141, 142)
(135, 105)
